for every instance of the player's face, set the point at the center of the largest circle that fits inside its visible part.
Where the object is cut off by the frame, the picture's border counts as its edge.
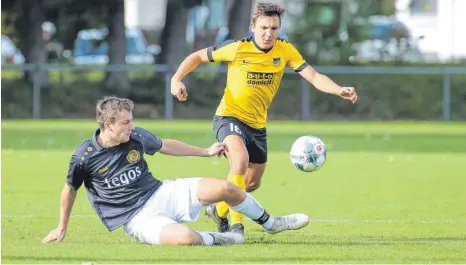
(266, 31)
(121, 130)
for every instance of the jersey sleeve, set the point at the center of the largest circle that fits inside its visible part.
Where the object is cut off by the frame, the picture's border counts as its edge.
(223, 52)
(150, 142)
(295, 59)
(76, 169)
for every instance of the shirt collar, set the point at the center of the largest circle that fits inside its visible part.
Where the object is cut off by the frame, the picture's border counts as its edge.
(259, 48)
(94, 140)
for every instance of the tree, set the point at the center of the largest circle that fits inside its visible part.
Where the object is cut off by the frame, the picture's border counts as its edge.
(29, 26)
(173, 38)
(116, 39)
(326, 30)
(239, 18)
(316, 30)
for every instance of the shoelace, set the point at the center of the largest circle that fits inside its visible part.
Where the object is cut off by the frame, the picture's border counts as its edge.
(285, 222)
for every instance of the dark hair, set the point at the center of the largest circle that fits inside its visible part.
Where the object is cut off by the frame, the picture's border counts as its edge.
(268, 10)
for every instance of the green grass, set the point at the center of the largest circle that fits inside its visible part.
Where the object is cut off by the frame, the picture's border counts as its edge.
(388, 193)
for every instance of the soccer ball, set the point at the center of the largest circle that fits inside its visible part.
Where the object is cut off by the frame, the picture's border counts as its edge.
(308, 153)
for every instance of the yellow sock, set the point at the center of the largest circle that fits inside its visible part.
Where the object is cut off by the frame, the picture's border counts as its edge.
(238, 180)
(222, 207)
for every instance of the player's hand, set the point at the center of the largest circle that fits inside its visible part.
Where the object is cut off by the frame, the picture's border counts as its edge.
(178, 90)
(56, 235)
(349, 93)
(217, 149)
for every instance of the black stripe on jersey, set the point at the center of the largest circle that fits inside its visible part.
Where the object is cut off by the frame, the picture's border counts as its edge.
(245, 39)
(259, 48)
(282, 40)
(209, 54)
(216, 47)
(299, 69)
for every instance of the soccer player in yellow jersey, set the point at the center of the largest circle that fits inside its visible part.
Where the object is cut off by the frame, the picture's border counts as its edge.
(255, 69)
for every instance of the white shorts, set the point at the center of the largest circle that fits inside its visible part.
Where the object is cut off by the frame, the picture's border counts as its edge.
(174, 202)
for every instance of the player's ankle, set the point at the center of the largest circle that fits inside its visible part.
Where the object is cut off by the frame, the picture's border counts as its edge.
(266, 220)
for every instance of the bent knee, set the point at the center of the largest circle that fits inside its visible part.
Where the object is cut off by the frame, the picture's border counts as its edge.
(229, 190)
(228, 187)
(239, 164)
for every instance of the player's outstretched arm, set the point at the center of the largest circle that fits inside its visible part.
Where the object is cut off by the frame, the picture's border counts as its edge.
(178, 89)
(325, 84)
(177, 148)
(68, 196)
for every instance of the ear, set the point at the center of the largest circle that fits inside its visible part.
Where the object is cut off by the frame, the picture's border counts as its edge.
(252, 26)
(107, 126)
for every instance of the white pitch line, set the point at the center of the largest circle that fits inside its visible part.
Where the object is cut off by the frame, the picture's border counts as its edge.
(388, 221)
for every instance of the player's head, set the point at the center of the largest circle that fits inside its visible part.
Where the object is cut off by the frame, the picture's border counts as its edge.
(266, 22)
(115, 118)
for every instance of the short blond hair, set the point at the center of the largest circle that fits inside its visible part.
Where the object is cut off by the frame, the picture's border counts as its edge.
(268, 10)
(108, 107)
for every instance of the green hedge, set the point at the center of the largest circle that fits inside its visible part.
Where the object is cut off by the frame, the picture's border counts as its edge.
(381, 97)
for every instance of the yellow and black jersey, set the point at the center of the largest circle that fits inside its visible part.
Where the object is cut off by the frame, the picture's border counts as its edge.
(254, 76)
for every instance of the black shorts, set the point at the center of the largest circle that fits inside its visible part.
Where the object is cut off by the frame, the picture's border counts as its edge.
(254, 139)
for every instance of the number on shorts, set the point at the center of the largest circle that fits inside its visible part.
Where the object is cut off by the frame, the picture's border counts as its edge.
(234, 128)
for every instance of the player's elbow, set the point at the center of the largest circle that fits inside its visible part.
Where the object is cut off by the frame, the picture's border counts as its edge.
(310, 75)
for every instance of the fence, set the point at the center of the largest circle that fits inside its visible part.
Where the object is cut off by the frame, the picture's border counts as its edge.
(302, 96)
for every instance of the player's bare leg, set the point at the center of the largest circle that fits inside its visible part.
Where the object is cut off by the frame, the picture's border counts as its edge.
(253, 176)
(237, 154)
(210, 191)
(238, 157)
(182, 235)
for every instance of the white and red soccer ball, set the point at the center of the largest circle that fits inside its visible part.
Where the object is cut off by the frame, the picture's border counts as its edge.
(308, 153)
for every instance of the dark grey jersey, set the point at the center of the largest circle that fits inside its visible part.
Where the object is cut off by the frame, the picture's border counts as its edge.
(117, 179)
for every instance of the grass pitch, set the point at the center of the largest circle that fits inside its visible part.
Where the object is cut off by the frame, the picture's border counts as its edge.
(388, 193)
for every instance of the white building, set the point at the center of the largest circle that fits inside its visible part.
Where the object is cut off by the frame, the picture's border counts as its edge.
(439, 22)
(145, 14)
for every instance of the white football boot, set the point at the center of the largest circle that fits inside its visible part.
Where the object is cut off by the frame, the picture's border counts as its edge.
(288, 222)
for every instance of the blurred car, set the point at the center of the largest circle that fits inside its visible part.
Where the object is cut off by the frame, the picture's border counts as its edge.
(389, 40)
(91, 47)
(11, 54)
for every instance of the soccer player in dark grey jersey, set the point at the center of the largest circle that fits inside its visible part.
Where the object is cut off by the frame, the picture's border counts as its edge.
(123, 192)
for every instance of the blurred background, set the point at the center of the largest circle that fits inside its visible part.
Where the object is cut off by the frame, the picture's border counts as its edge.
(406, 58)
